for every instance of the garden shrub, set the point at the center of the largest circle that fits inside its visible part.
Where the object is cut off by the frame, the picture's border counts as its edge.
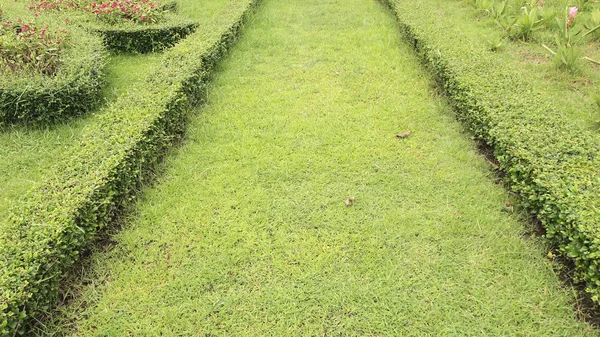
(42, 83)
(135, 38)
(553, 166)
(51, 225)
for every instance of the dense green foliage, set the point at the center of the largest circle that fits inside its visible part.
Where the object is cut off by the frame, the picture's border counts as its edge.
(73, 90)
(553, 169)
(55, 222)
(145, 38)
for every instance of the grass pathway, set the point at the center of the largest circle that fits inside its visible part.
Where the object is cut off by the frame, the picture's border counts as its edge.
(247, 232)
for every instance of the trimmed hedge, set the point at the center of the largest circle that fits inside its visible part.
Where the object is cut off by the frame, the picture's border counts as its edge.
(552, 165)
(134, 38)
(170, 6)
(72, 91)
(55, 222)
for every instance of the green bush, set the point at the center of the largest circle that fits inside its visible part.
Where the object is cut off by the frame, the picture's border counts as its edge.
(73, 90)
(553, 166)
(135, 38)
(51, 225)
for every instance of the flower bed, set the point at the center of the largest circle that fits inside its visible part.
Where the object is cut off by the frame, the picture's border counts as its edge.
(28, 48)
(47, 74)
(140, 26)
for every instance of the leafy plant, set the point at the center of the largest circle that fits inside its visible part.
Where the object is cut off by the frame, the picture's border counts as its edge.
(530, 19)
(495, 43)
(593, 21)
(568, 52)
(500, 13)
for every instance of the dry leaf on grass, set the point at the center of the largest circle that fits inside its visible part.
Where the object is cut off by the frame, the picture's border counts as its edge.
(403, 134)
(349, 201)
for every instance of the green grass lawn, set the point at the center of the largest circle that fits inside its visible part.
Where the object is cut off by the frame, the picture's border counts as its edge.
(28, 155)
(247, 232)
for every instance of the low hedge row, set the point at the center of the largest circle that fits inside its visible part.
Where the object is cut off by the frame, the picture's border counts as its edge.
(72, 91)
(135, 38)
(553, 166)
(49, 228)
(170, 6)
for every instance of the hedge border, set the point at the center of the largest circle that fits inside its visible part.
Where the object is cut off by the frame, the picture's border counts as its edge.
(73, 91)
(555, 172)
(53, 223)
(145, 39)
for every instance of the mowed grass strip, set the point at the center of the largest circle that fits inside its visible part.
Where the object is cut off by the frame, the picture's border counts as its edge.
(28, 155)
(248, 233)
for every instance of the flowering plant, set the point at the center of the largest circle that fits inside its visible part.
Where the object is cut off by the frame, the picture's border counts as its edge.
(139, 11)
(572, 13)
(27, 47)
(56, 5)
(568, 53)
(109, 11)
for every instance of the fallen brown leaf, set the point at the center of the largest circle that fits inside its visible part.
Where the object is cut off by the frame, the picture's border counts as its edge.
(403, 134)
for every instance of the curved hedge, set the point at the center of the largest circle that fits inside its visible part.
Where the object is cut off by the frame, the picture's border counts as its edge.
(72, 91)
(135, 38)
(51, 226)
(552, 165)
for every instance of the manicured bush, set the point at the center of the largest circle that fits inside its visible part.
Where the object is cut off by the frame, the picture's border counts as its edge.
(552, 165)
(51, 226)
(46, 83)
(131, 37)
